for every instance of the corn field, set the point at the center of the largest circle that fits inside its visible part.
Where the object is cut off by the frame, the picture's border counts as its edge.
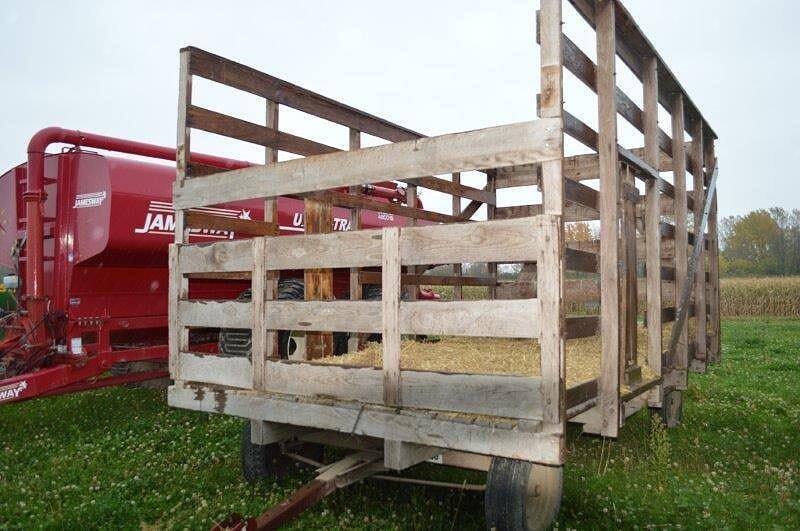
(755, 297)
(739, 297)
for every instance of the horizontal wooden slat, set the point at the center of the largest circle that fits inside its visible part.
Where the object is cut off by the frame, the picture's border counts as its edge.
(577, 327)
(231, 371)
(632, 45)
(668, 232)
(496, 395)
(217, 257)
(588, 137)
(374, 277)
(227, 72)
(581, 194)
(486, 318)
(577, 62)
(642, 169)
(489, 318)
(580, 131)
(521, 175)
(221, 124)
(319, 251)
(501, 146)
(324, 316)
(215, 314)
(457, 189)
(520, 211)
(364, 202)
(200, 220)
(516, 441)
(581, 393)
(482, 241)
(239, 275)
(572, 212)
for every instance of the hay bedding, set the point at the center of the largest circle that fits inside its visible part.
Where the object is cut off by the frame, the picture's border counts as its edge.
(469, 355)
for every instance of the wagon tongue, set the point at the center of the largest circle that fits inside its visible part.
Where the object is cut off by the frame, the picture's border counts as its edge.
(347, 470)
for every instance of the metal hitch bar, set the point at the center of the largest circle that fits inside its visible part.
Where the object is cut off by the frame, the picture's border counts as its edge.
(342, 473)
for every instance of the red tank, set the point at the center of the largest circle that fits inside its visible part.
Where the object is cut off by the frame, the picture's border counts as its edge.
(107, 223)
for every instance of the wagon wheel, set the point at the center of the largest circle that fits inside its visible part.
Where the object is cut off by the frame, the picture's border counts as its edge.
(267, 461)
(671, 410)
(261, 461)
(521, 495)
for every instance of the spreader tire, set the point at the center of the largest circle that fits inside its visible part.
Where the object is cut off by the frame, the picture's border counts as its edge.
(237, 341)
(293, 289)
(521, 496)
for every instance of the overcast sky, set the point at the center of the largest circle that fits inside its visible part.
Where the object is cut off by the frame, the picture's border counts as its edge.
(433, 66)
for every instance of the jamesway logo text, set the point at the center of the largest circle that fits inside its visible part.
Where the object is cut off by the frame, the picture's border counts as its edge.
(160, 219)
(7, 392)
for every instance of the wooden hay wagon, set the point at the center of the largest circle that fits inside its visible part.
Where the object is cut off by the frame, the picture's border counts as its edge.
(390, 411)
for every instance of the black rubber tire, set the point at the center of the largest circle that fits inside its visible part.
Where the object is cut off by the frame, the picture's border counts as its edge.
(372, 292)
(261, 461)
(293, 289)
(671, 412)
(237, 342)
(521, 496)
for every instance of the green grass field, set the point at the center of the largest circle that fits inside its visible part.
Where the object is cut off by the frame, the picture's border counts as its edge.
(120, 458)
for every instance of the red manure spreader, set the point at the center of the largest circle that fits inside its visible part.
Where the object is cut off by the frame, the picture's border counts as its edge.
(84, 241)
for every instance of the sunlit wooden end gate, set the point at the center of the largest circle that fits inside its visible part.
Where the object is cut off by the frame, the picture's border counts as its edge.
(389, 403)
(638, 270)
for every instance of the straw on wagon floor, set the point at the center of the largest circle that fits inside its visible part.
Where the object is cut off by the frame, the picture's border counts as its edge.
(471, 355)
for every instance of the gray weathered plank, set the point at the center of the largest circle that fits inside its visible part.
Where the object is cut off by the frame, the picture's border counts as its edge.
(608, 404)
(215, 314)
(501, 146)
(217, 257)
(231, 371)
(485, 318)
(495, 395)
(505, 440)
(652, 218)
(390, 310)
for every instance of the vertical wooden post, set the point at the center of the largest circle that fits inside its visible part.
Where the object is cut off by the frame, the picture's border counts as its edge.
(390, 304)
(271, 216)
(183, 145)
(178, 338)
(264, 287)
(260, 293)
(264, 284)
(491, 268)
(698, 173)
(550, 280)
(681, 355)
(458, 292)
(652, 219)
(609, 220)
(178, 284)
(411, 291)
(713, 266)
(318, 282)
(630, 372)
(355, 224)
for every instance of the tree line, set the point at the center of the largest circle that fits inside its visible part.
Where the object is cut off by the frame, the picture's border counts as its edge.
(761, 243)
